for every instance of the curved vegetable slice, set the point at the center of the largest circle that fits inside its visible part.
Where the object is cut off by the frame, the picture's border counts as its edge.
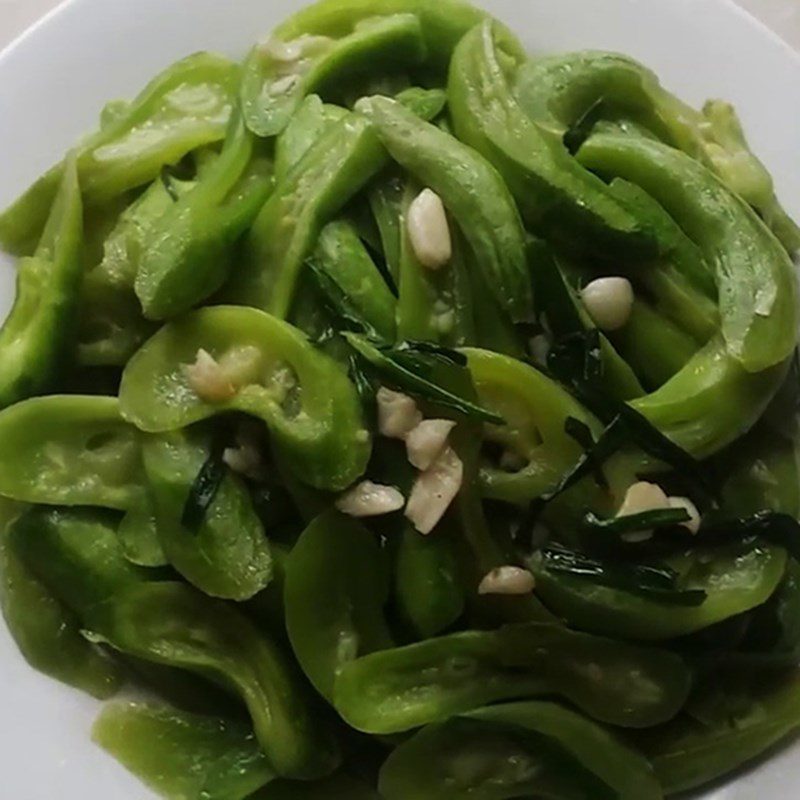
(679, 283)
(185, 107)
(332, 170)
(536, 410)
(336, 586)
(172, 624)
(516, 749)
(70, 450)
(35, 338)
(687, 407)
(311, 120)
(755, 276)
(138, 536)
(188, 252)
(385, 195)
(625, 771)
(739, 168)
(227, 555)
(487, 761)
(181, 755)
(77, 555)
(554, 192)
(655, 347)
(111, 325)
(397, 690)
(278, 74)
(472, 191)
(687, 753)
(47, 633)
(558, 92)
(344, 155)
(310, 406)
(343, 258)
(429, 592)
(735, 582)
(443, 23)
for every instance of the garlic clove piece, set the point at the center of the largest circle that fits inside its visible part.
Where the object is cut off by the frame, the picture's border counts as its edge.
(425, 442)
(509, 580)
(434, 491)
(368, 499)
(609, 302)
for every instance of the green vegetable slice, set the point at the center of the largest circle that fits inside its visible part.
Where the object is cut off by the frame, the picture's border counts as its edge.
(309, 405)
(400, 689)
(182, 755)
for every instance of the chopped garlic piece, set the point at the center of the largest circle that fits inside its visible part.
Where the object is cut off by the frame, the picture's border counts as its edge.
(281, 51)
(245, 458)
(242, 365)
(426, 442)
(434, 490)
(217, 381)
(641, 497)
(507, 580)
(295, 49)
(208, 380)
(369, 499)
(609, 302)
(693, 523)
(282, 382)
(398, 414)
(428, 230)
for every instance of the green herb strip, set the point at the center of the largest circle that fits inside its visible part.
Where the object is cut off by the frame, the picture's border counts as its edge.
(655, 581)
(582, 434)
(630, 523)
(204, 490)
(409, 366)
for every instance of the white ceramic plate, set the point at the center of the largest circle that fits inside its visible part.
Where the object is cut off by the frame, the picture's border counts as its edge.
(53, 83)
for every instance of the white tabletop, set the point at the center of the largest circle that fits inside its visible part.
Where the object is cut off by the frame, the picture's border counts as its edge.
(781, 15)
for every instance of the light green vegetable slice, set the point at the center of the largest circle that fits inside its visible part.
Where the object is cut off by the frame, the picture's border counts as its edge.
(35, 338)
(472, 191)
(755, 276)
(227, 555)
(309, 405)
(70, 450)
(185, 107)
(278, 74)
(336, 587)
(46, 632)
(735, 581)
(183, 756)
